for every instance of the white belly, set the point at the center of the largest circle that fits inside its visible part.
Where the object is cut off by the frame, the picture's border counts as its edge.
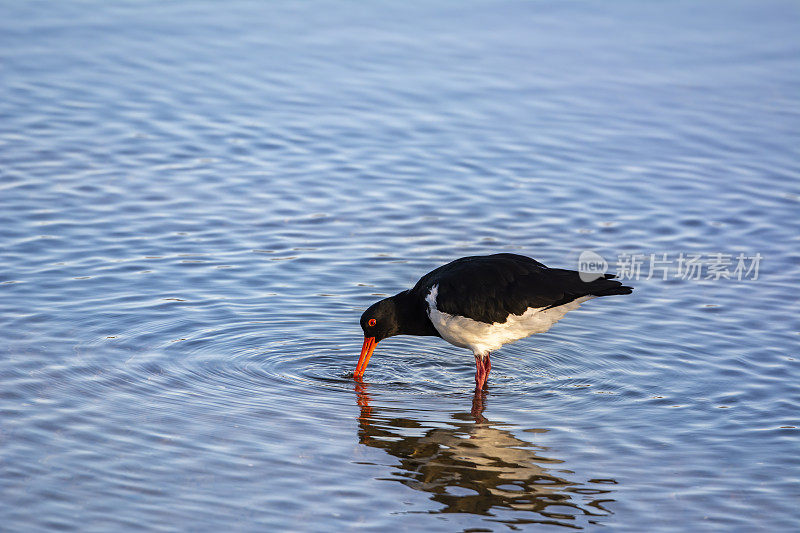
(483, 338)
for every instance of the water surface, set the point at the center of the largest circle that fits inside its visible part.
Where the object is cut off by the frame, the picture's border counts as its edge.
(198, 200)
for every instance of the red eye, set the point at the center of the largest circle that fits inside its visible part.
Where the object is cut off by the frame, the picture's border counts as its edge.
(372, 322)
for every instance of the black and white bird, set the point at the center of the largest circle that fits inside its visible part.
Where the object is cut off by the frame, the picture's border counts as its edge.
(481, 303)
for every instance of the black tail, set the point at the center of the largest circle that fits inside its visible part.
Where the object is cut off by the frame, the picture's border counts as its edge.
(607, 286)
(575, 287)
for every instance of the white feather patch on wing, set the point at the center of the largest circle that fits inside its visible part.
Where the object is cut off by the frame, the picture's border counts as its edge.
(483, 338)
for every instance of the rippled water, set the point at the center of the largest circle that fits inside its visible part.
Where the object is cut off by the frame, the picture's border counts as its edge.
(198, 200)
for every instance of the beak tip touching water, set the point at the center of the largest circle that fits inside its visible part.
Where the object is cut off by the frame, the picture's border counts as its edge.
(363, 359)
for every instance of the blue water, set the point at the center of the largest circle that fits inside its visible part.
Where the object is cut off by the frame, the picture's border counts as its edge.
(199, 199)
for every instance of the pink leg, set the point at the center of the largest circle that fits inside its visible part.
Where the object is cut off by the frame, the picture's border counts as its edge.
(479, 377)
(482, 367)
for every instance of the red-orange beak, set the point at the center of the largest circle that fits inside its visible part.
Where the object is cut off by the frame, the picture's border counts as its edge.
(363, 359)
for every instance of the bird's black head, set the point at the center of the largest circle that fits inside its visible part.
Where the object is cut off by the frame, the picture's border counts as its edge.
(381, 320)
(402, 314)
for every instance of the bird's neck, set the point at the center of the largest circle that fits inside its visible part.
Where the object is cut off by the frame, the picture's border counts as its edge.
(412, 315)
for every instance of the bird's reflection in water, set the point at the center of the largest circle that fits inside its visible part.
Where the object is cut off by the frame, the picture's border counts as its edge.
(475, 466)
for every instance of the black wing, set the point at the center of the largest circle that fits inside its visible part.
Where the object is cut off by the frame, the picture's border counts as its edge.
(489, 288)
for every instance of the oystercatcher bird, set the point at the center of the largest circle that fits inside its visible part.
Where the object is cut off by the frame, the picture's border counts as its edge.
(481, 303)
